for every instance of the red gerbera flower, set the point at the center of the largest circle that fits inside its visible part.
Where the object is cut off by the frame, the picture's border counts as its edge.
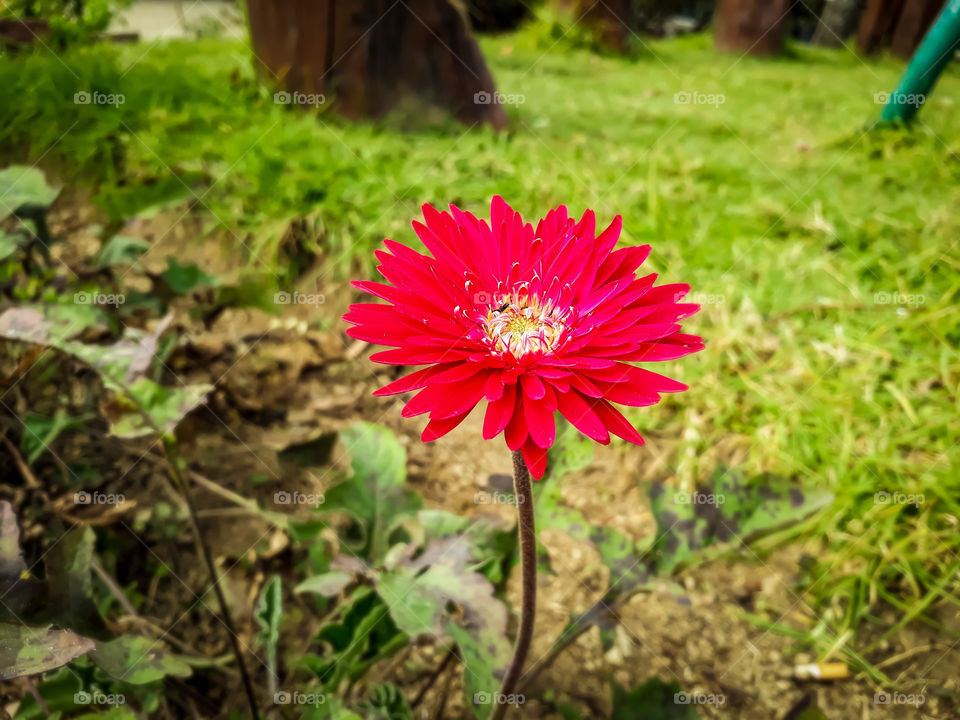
(532, 321)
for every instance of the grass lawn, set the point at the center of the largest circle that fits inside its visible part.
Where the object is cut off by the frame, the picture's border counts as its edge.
(824, 251)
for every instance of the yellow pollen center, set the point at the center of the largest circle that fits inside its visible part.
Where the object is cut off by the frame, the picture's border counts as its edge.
(521, 326)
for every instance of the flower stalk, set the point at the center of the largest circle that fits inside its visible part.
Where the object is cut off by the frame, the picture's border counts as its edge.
(528, 566)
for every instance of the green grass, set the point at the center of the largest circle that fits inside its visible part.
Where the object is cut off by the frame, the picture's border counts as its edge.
(789, 217)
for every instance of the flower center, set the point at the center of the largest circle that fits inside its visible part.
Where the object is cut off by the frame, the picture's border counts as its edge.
(522, 326)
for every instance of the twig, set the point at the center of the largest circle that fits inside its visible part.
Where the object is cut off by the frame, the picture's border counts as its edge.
(173, 465)
(25, 470)
(177, 475)
(356, 349)
(158, 631)
(114, 589)
(32, 687)
(444, 694)
(274, 518)
(451, 654)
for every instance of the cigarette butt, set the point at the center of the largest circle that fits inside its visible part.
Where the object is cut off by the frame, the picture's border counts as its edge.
(822, 671)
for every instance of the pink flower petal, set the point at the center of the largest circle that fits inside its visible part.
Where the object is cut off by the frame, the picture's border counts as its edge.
(575, 409)
(540, 423)
(536, 459)
(499, 413)
(438, 428)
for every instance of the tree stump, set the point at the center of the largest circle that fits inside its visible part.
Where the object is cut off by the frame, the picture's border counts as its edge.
(837, 22)
(877, 24)
(610, 20)
(17, 33)
(914, 22)
(610, 23)
(756, 27)
(497, 15)
(370, 57)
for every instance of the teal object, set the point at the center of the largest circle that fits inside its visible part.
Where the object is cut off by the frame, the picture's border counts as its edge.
(936, 50)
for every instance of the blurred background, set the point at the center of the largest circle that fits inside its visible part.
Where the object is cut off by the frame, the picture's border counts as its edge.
(203, 509)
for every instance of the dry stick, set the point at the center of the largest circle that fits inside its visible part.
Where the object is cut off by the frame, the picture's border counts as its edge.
(528, 561)
(28, 475)
(158, 631)
(451, 654)
(173, 464)
(444, 694)
(115, 589)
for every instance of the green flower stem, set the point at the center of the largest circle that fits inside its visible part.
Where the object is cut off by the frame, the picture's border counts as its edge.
(528, 561)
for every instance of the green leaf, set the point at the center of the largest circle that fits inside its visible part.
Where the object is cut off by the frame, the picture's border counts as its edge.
(121, 366)
(375, 495)
(21, 185)
(269, 610)
(12, 566)
(22, 595)
(114, 713)
(40, 432)
(182, 279)
(121, 249)
(9, 244)
(267, 615)
(362, 634)
(29, 651)
(165, 406)
(727, 509)
(144, 199)
(492, 540)
(481, 667)
(333, 709)
(137, 660)
(328, 584)
(68, 569)
(419, 593)
(58, 689)
(386, 702)
(652, 700)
